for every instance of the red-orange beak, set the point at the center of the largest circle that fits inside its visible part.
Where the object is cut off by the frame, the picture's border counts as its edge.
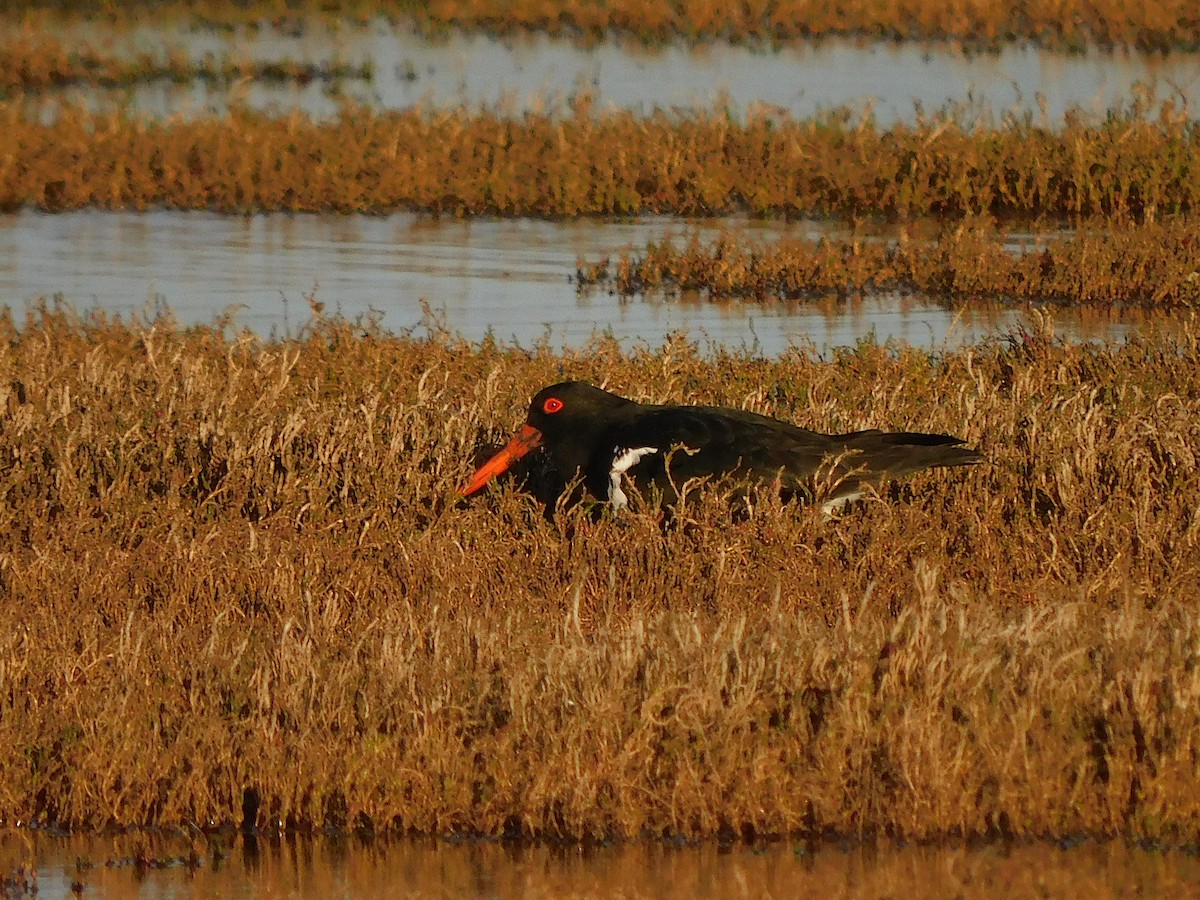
(528, 438)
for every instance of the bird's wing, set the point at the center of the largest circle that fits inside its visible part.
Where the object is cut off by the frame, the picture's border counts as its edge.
(701, 441)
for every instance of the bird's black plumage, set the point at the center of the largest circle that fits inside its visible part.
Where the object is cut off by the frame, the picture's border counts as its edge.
(609, 440)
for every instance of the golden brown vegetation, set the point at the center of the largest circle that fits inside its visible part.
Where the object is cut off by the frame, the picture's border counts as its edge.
(1070, 24)
(237, 579)
(39, 61)
(1153, 266)
(1059, 23)
(1135, 165)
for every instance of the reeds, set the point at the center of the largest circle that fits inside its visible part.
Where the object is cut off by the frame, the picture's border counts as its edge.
(1101, 264)
(237, 582)
(35, 61)
(1070, 25)
(1137, 165)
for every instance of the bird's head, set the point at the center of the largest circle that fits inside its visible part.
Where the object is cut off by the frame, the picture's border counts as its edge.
(563, 418)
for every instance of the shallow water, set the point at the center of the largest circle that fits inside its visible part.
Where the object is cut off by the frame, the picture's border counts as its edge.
(520, 74)
(150, 867)
(510, 278)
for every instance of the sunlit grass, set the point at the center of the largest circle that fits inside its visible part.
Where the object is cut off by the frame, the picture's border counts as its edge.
(1071, 25)
(31, 61)
(1138, 165)
(1100, 264)
(237, 578)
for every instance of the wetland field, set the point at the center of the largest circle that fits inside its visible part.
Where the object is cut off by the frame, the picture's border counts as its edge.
(242, 600)
(240, 582)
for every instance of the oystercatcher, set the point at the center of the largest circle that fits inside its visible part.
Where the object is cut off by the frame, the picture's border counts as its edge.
(614, 442)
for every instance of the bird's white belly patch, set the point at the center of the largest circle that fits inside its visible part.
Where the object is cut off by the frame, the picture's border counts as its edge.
(829, 507)
(623, 461)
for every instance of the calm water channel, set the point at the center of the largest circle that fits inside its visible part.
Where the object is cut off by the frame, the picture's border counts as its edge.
(888, 79)
(512, 278)
(299, 869)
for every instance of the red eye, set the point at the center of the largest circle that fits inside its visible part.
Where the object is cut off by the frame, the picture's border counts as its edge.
(552, 405)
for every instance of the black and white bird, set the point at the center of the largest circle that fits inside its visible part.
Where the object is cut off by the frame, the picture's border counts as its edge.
(615, 443)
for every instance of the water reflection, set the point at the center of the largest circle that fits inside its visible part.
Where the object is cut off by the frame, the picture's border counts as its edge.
(527, 73)
(508, 278)
(158, 865)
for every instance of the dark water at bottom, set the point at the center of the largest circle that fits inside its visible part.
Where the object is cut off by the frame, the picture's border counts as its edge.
(240, 867)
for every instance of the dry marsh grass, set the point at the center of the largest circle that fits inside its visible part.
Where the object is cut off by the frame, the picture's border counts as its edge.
(1138, 165)
(31, 60)
(1069, 24)
(1155, 265)
(237, 582)
(1062, 24)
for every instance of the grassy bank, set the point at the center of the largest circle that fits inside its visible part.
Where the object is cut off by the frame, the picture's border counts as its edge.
(31, 61)
(1154, 266)
(238, 583)
(1137, 165)
(1061, 24)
